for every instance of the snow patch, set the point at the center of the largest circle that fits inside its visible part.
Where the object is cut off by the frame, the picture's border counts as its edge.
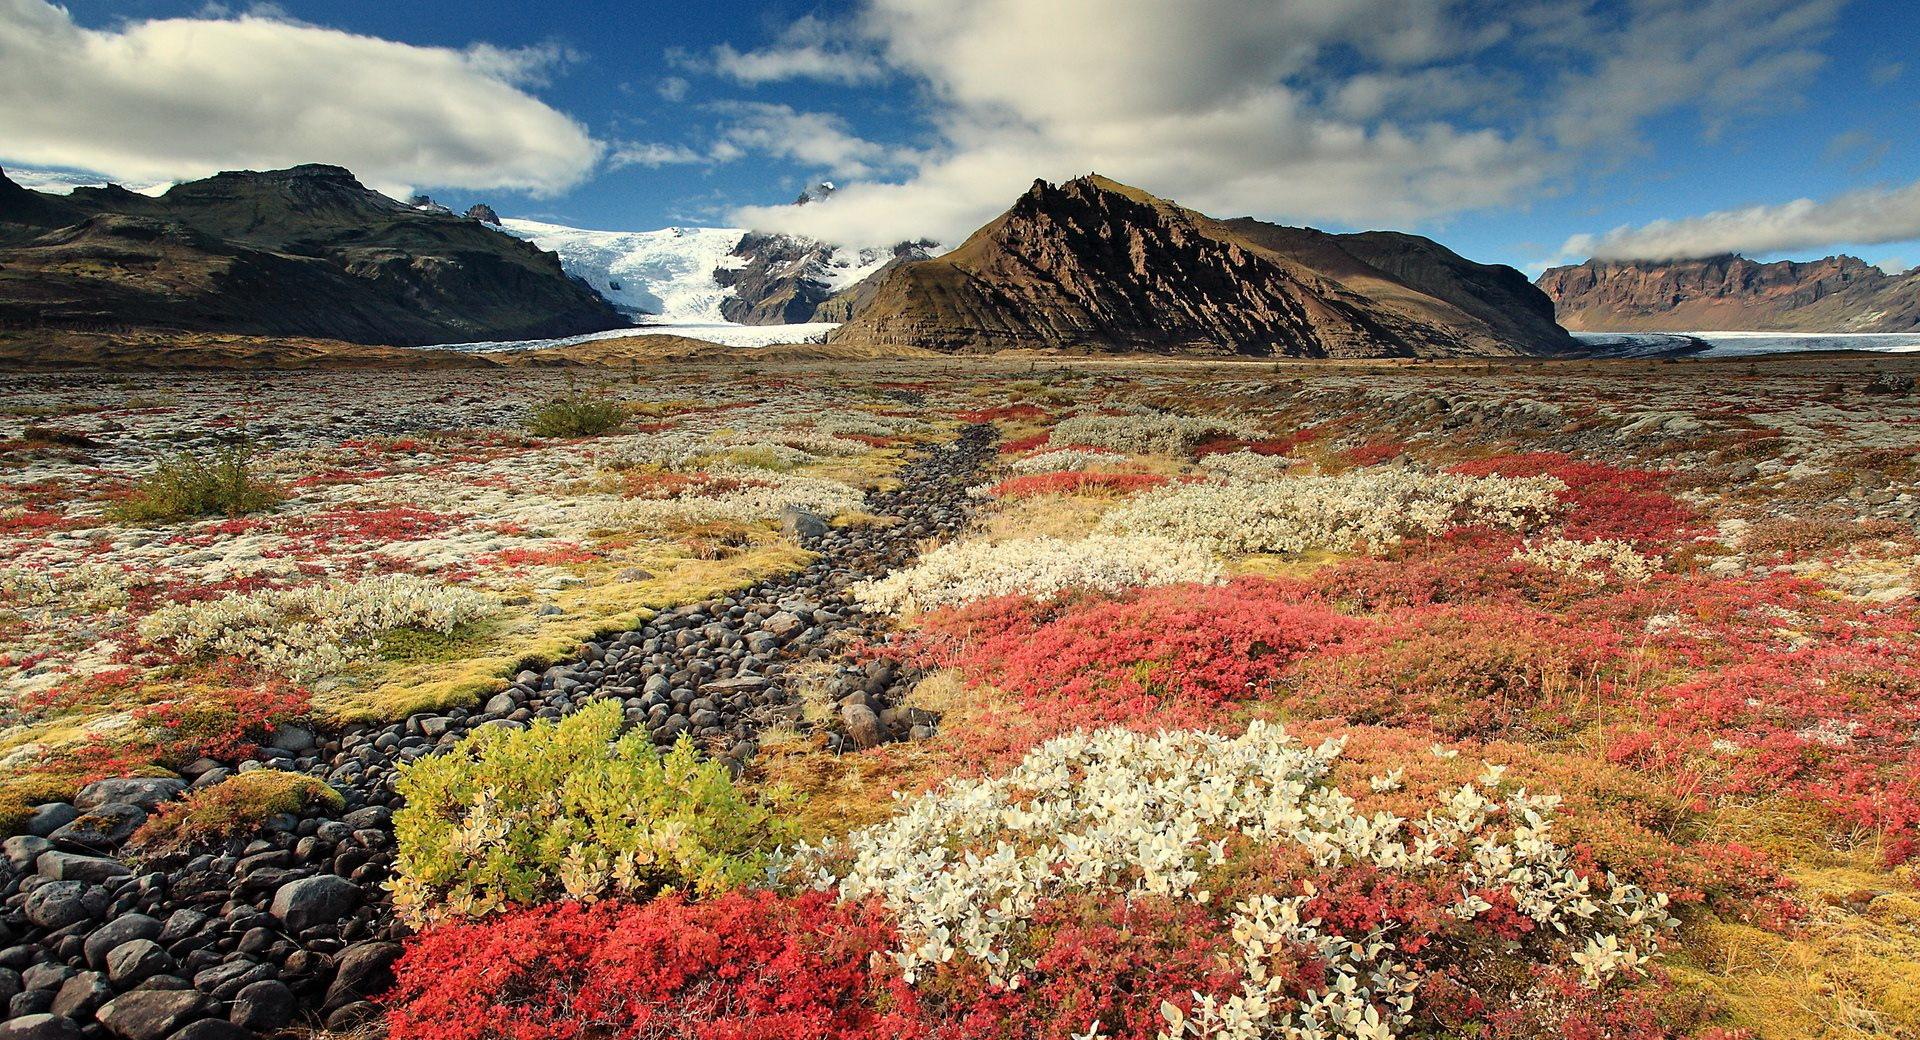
(667, 274)
(1742, 344)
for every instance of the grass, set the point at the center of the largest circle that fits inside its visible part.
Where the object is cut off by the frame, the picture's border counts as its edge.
(575, 414)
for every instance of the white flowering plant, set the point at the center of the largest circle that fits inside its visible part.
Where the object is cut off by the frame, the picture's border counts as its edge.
(1340, 920)
(1042, 567)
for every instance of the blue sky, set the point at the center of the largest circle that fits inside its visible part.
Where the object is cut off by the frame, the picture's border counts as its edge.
(1518, 133)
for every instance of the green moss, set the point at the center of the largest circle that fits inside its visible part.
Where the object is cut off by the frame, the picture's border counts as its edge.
(234, 807)
(416, 645)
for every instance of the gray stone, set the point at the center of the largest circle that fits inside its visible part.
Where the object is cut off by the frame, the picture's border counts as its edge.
(72, 866)
(150, 1014)
(132, 963)
(40, 1027)
(798, 523)
(50, 817)
(23, 849)
(316, 900)
(211, 1029)
(365, 970)
(101, 828)
(861, 725)
(292, 738)
(147, 792)
(58, 904)
(79, 997)
(123, 929)
(263, 1006)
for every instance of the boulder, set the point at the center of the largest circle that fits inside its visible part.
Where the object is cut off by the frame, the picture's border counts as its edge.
(50, 817)
(40, 1027)
(364, 970)
(58, 904)
(101, 828)
(262, 1007)
(150, 1014)
(73, 866)
(316, 900)
(79, 997)
(147, 792)
(123, 929)
(861, 725)
(132, 963)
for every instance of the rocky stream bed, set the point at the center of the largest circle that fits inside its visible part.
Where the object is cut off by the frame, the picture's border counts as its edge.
(292, 927)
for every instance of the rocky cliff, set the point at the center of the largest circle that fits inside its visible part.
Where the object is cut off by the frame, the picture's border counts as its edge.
(1093, 264)
(307, 251)
(1733, 293)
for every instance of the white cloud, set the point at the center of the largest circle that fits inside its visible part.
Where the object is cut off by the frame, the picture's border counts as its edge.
(808, 49)
(1869, 216)
(180, 98)
(672, 88)
(652, 155)
(817, 139)
(1362, 112)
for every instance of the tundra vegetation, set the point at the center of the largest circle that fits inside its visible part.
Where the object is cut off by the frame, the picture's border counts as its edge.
(1458, 699)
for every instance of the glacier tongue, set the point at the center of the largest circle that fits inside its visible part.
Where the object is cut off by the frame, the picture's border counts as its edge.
(667, 273)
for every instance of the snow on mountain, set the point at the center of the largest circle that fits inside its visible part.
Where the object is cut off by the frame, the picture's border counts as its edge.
(667, 274)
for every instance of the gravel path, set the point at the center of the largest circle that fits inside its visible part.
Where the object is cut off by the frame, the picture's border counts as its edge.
(293, 926)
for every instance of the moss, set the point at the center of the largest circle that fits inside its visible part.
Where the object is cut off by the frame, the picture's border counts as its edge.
(234, 807)
(521, 639)
(414, 645)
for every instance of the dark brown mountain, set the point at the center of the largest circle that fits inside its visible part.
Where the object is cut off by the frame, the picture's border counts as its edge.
(1093, 264)
(305, 252)
(1733, 293)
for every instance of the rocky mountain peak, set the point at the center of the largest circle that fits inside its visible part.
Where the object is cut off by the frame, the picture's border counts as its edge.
(1732, 292)
(483, 213)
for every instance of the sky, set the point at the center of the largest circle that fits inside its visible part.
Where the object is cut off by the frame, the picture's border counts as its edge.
(1528, 132)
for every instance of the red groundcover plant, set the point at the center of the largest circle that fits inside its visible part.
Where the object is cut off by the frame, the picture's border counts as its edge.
(749, 965)
(1602, 501)
(1172, 656)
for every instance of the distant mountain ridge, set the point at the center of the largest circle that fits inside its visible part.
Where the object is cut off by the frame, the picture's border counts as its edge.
(1732, 293)
(1093, 264)
(307, 251)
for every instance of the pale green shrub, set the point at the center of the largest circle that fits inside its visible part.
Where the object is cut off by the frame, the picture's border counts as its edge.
(1041, 567)
(570, 809)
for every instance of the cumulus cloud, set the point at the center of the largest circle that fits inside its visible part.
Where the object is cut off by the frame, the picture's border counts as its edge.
(1355, 112)
(180, 98)
(818, 139)
(1869, 216)
(808, 49)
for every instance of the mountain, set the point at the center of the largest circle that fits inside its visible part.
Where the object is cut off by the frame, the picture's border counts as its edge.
(713, 276)
(305, 252)
(1732, 293)
(1093, 264)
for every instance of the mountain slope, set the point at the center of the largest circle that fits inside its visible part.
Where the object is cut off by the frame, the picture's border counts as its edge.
(668, 274)
(307, 251)
(1733, 293)
(1093, 264)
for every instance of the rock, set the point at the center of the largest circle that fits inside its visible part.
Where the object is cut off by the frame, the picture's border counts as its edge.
(212, 1029)
(483, 213)
(50, 817)
(501, 704)
(22, 850)
(798, 523)
(147, 792)
(132, 963)
(150, 1014)
(123, 929)
(292, 738)
(365, 970)
(263, 1007)
(101, 828)
(782, 625)
(40, 1027)
(79, 997)
(58, 904)
(71, 866)
(861, 725)
(316, 900)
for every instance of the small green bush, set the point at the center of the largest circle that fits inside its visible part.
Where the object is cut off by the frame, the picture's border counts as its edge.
(570, 809)
(575, 415)
(233, 807)
(188, 485)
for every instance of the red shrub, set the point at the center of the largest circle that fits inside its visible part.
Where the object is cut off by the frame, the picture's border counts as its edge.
(1178, 655)
(750, 965)
(1603, 501)
(1109, 960)
(1006, 411)
(1022, 445)
(1373, 454)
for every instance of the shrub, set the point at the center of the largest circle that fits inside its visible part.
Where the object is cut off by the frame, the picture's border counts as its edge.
(1075, 483)
(1065, 460)
(1147, 434)
(1371, 508)
(235, 807)
(744, 966)
(569, 808)
(1601, 501)
(315, 630)
(576, 414)
(1177, 655)
(1336, 919)
(1596, 561)
(1472, 672)
(1041, 567)
(188, 485)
